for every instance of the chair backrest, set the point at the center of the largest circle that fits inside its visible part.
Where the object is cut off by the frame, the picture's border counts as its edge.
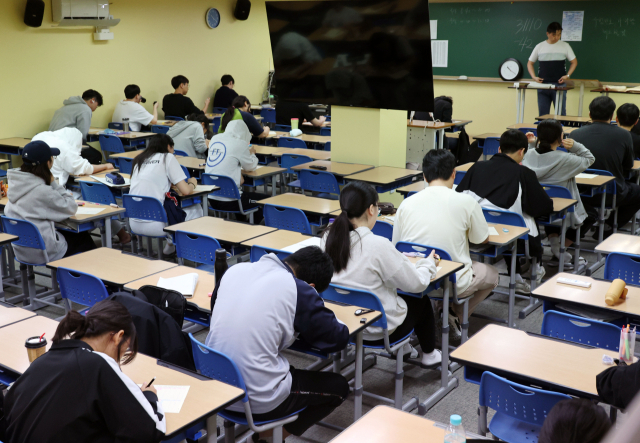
(125, 165)
(219, 110)
(356, 297)
(144, 208)
(282, 128)
(290, 219)
(116, 125)
(268, 115)
(529, 405)
(217, 366)
(328, 118)
(383, 229)
(179, 152)
(611, 186)
(489, 146)
(290, 142)
(504, 218)
(325, 131)
(459, 177)
(81, 288)
(318, 181)
(258, 251)
(96, 193)
(228, 187)
(28, 234)
(160, 129)
(288, 161)
(558, 192)
(581, 330)
(405, 246)
(327, 146)
(623, 266)
(186, 171)
(215, 124)
(110, 143)
(525, 130)
(173, 117)
(195, 247)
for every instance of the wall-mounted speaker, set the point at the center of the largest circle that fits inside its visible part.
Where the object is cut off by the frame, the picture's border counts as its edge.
(34, 13)
(243, 7)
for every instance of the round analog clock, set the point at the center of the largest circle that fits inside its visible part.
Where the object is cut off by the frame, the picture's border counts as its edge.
(511, 70)
(213, 18)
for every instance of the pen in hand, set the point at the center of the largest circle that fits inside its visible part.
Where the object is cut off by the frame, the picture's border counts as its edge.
(151, 382)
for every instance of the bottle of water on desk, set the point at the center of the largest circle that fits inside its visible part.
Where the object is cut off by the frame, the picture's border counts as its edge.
(455, 432)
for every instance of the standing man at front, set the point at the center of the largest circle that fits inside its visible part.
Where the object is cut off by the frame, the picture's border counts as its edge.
(552, 54)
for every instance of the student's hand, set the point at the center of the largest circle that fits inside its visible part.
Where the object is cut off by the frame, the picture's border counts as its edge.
(252, 150)
(567, 143)
(434, 256)
(531, 137)
(150, 388)
(563, 79)
(193, 181)
(155, 105)
(108, 166)
(322, 119)
(538, 79)
(206, 102)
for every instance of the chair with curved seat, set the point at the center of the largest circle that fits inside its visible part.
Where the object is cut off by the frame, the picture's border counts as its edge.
(284, 217)
(323, 182)
(81, 288)
(228, 189)
(291, 142)
(383, 229)
(141, 207)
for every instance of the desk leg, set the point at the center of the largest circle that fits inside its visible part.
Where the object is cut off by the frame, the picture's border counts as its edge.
(212, 429)
(357, 386)
(517, 105)
(512, 284)
(107, 228)
(596, 265)
(581, 104)
(274, 181)
(558, 105)
(205, 205)
(440, 138)
(563, 236)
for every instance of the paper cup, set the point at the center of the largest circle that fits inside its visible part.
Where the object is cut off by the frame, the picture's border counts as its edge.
(294, 123)
(35, 347)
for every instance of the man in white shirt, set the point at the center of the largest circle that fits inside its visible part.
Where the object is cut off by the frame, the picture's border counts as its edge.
(132, 110)
(440, 217)
(552, 54)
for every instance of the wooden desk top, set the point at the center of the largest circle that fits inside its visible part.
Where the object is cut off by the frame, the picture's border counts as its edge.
(560, 204)
(13, 315)
(279, 239)
(7, 238)
(465, 167)
(311, 153)
(446, 267)
(384, 424)
(567, 130)
(265, 171)
(413, 187)
(269, 150)
(205, 286)
(434, 125)
(205, 396)
(565, 118)
(595, 181)
(309, 138)
(13, 354)
(15, 142)
(636, 165)
(305, 203)
(220, 229)
(590, 297)
(546, 362)
(491, 134)
(504, 238)
(336, 168)
(128, 154)
(166, 122)
(346, 314)
(613, 92)
(107, 211)
(192, 162)
(4, 161)
(128, 135)
(112, 266)
(385, 175)
(626, 244)
(86, 178)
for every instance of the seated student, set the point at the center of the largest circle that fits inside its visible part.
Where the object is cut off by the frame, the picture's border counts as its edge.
(77, 113)
(278, 303)
(70, 162)
(229, 154)
(443, 111)
(613, 149)
(575, 420)
(628, 117)
(618, 385)
(238, 110)
(35, 196)
(559, 168)
(286, 110)
(363, 260)
(190, 135)
(178, 104)
(502, 183)
(442, 218)
(155, 171)
(77, 392)
(225, 95)
(132, 110)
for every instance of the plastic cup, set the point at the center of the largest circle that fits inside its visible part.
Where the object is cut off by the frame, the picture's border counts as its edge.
(35, 347)
(294, 123)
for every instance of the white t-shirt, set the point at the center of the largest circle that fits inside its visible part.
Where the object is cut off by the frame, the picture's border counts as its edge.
(135, 112)
(546, 52)
(443, 218)
(156, 175)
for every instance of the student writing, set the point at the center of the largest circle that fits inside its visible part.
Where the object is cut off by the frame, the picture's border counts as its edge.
(133, 111)
(190, 136)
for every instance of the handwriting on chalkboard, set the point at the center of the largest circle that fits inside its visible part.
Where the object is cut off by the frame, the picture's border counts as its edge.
(525, 43)
(530, 24)
(614, 27)
(463, 11)
(455, 21)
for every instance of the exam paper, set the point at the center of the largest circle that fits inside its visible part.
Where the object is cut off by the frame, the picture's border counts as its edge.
(586, 175)
(440, 53)
(315, 241)
(492, 231)
(89, 211)
(171, 397)
(203, 188)
(184, 284)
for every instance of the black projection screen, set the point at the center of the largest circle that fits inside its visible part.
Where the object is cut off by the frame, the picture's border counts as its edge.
(369, 53)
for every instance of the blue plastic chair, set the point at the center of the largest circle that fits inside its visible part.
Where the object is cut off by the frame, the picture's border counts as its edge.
(160, 129)
(174, 118)
(328, 118)
(179, 152)
(525, 130)
(97, 193)
(383, 229)
(258, 251)
(197, 248)
(125, 165)
(623, 266)
(319, 181)
(218, 366)
(288, 161)
(581, 330)
(144, 208)
(520, 410)
(290, 142)
(219, 110)
(327, 146)
(290, 219)
(325, 131)
(81, 288)
(228, 189)
(117, 126)
(562, 192)
(366, 299)
(268, 115)
(110, 144)
(490, 146)
(282, 128)
(459, 176)
(609, 189)
(215, 124)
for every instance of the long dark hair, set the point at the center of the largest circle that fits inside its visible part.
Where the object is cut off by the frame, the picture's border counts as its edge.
(42, 170)
(237, 103)
(355, 199)
(106, 316)
(575, 420)
(549, 132)
(158, 144)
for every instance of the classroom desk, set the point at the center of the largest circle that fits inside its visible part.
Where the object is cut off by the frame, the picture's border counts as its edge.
(307, 138)
(573, 120)
(258, 177)
(9, 316)
(561, 208)
(521, 92)
(129, 139)
(165, 123)
(414, 187)
(312, 205)
(5, 239)
(532, 359)
(88, 222)
(266, 153)
(13, 146)
(386, 178)
(128, 154)
(194, 163)
(624, 243)
(384, 424)
(279, 239)
(311, 153)
(338, 169)
(87, 178)
(426, 135)
(220, 229)
(604, 91)
(111, 266)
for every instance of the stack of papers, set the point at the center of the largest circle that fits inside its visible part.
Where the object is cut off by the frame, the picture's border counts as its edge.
(184, 284)
(89, 211)
(586, 176)
(492, 231)
(127, 181)
(315, 241)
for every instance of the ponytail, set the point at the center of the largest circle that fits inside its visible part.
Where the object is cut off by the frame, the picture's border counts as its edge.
(355, 199)
(237, 103)
(549, 131)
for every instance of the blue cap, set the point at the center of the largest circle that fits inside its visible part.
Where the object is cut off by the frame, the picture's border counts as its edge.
(38, 152)
(455, 420)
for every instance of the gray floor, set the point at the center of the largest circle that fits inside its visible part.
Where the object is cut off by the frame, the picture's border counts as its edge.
(417, 382)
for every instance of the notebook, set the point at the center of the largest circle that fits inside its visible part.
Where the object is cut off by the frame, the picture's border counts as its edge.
(184, 284)
(314, 241)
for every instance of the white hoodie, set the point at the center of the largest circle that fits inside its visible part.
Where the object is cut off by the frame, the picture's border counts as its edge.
(229, 154)
(69, 162)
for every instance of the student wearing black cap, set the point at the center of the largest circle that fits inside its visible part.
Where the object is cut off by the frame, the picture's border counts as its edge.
(132, 110)
(35, 196)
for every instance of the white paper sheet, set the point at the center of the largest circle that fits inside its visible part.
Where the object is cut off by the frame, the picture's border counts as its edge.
(315, 241)
(171, 397)
(127, 181)
(572, 25)
(492, 231)
(184, 284)
(586, 176)
(391, 218)
(433, 26)
(440, 53)
(203, 188)
(89, 211)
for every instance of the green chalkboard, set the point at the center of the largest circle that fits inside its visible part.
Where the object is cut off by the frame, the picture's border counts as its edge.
(482, 35)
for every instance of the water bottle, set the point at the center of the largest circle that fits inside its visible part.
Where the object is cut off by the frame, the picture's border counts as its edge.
(455, 432)
(125, 124)
(219, 268)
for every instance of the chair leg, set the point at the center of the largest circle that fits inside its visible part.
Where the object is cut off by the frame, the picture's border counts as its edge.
(229, 432)
(399, 377)
(576, 251)
(149, 247)
(482, 420)
(32, 286)
(277, 434)
(160, 256)
(24, 277)
(465, 321)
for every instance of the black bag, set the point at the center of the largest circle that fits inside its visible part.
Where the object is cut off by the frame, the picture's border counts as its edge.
(171, 302)
(91, 154)
(467, 152)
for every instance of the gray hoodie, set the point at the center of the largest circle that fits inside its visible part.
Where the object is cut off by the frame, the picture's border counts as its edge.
(189, 137)
(32, 200)
(75, 113)
(560, 168)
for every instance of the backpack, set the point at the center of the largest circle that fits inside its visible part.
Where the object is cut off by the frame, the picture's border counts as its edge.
(467, 152)
(171, 302)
